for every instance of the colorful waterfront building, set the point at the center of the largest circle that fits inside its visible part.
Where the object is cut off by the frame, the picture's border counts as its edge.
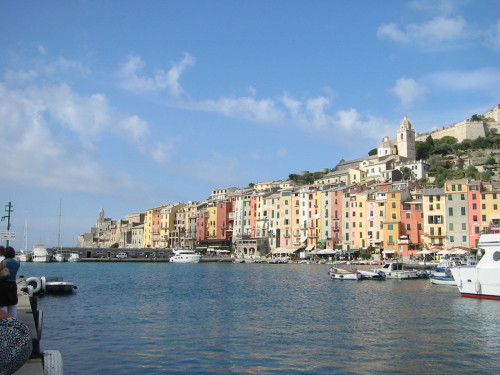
(474, 189)
(412, 225)
(457, 213)
(434, 208)
(490, 207)
(168, 233)
(152, 224)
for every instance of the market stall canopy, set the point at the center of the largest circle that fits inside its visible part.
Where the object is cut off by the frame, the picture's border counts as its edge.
(426, 252)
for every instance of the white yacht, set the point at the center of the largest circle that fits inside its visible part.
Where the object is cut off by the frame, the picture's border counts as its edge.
(396, 271)
(40, 254)
(482, 280)
(185, 256)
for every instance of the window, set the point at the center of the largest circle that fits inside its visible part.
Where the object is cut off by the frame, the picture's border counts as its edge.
(483, 217)
(408, 227)
(452, 239)
(450, 226)
(474, 218)
(462, 197)
(450, 197)
(391, 241)
(464, 238)
(408, 215)
(464, 226)
(450, 211)
(474, 206)
(474, 196)
(390, 227)
(462, 211)
(419, 226)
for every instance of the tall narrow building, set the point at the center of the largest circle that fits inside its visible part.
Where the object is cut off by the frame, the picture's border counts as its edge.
(406, 140)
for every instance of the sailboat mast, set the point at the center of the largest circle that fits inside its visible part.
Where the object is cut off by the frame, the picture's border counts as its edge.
(59, 232)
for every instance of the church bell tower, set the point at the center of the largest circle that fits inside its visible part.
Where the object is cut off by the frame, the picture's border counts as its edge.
(406, 140)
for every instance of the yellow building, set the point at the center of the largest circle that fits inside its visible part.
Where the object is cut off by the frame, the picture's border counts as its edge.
(490, 206)
(151, 233)
(433, 201)
(392, 222)
(167, 224)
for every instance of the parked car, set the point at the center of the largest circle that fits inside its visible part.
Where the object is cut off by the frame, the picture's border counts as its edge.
(122, 255)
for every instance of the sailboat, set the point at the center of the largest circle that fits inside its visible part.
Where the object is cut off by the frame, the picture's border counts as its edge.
(24, 255)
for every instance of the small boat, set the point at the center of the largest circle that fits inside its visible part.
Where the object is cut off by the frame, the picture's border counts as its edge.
(343, 274)
(397, 271)
(50, 285)
(40, 254)
(74, 257)
(57, 257)
(483, 279)
(443, 280)
(185, 256)
(23, 256)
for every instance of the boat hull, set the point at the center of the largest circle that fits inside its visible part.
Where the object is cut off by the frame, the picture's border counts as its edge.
(483, 280)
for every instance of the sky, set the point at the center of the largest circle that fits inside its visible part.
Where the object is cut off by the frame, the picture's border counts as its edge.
(130, 105)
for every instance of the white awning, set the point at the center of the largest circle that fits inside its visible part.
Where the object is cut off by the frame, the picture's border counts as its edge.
(309, 248)
(389, 251)
(326, 252)
(285, 250)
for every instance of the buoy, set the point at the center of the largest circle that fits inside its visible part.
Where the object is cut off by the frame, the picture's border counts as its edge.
(477, 285)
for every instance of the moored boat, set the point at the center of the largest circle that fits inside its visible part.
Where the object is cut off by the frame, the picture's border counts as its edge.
(40, 254)
(483, 279)
(447, 279)
(397, 271)
(74, 257)
(185, 256)
(343, 274)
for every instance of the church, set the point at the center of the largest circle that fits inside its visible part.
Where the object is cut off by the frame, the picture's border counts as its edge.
(392, 155)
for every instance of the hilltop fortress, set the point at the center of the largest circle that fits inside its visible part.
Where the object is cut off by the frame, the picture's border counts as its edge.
(467, 129)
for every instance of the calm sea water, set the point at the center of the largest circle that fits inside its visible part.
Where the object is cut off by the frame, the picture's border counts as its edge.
(154, 318)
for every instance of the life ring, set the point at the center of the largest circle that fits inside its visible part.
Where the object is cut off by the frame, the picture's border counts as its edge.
(36, 283)
(52, 362)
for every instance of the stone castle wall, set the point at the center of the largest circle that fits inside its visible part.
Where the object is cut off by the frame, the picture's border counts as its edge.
(466, 129)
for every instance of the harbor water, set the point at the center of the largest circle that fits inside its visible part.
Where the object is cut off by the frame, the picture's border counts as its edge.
(154, 318)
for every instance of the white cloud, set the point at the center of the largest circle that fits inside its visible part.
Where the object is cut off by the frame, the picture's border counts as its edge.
(441, 7)
(436, 32)
(493, 36)
(408, 91)
(51, 134)
(130, 78)
(248, 108)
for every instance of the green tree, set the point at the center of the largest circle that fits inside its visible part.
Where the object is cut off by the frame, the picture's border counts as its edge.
(406, 173)
(373, 152)
(491, 160)
(423, 150)
(114, 246)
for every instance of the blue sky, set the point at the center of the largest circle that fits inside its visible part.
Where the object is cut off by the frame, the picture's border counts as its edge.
(128, 105)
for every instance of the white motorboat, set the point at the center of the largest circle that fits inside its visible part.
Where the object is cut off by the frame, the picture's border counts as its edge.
(396, 271)
(185, 256)
(74, 257)
(57, 257)
(40, 254)
(446, 279)
(482, 280)
(23, 256)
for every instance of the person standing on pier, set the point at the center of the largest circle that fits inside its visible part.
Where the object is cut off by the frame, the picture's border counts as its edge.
(8, 287)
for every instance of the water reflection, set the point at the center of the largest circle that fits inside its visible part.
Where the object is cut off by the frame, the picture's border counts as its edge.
(258, 319)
